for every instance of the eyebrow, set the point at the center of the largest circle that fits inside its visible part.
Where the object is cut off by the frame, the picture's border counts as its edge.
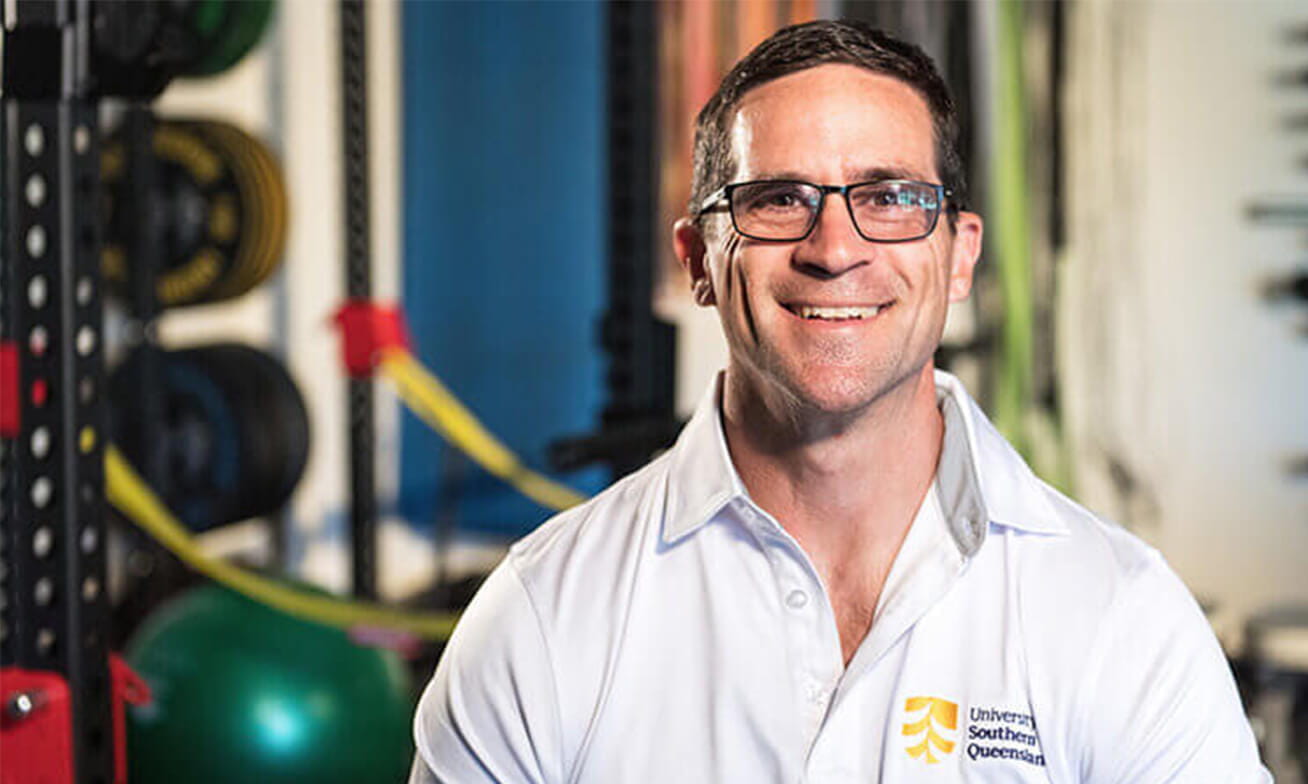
(862, 175)
(888, 173)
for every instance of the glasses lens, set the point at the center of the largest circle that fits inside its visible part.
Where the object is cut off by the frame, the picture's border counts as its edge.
(894, 210)
(777, 210)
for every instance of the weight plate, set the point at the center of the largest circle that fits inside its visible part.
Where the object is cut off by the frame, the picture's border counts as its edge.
(232, 437)
(228, 31)
(218, 210)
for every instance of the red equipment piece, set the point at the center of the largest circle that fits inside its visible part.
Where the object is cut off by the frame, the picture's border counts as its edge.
(36, 727)
(36, 723)
(10, 401)
(128, 688)
(367, 329)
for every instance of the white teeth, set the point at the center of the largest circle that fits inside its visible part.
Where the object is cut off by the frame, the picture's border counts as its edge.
(813, 312)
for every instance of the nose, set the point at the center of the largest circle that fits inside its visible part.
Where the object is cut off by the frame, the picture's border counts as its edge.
(834, 247)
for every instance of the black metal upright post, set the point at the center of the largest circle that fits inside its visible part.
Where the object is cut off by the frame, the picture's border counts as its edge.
(53, 614)
(641, 348)
(358, 285)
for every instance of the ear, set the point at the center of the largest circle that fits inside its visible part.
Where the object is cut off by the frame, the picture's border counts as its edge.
(688, 242)
(964, 254)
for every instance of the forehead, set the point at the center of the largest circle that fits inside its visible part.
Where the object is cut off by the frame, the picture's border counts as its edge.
(833, 124)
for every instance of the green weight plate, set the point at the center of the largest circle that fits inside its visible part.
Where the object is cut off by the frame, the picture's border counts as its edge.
(230, 29)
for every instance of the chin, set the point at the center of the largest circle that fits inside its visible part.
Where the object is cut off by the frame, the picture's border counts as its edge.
(837, 391)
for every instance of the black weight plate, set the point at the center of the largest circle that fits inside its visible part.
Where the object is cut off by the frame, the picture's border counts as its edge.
(232, 438)
(195, 443)
(275, 422)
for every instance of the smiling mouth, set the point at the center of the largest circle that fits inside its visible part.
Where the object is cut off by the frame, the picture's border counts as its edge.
(836, 313)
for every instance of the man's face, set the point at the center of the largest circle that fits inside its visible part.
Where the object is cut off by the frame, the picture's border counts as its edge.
(833, 124)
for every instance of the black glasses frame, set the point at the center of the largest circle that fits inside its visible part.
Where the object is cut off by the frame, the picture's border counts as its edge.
(724, 194)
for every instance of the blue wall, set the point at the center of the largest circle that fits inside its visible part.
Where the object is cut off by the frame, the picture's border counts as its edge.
(504, 232)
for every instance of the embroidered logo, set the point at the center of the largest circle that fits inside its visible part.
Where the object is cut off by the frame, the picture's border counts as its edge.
(940, 714)
(1003, 733)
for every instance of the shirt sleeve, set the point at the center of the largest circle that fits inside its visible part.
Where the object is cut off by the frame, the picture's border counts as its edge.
(1158, 702)
(490, 712)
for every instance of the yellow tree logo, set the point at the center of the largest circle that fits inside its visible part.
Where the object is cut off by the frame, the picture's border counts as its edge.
(939, 713)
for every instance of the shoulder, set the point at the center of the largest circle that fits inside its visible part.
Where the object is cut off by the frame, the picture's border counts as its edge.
(1121, 659)
(599, 533)
(515, 684)
(1072, 583)
(1091, 551)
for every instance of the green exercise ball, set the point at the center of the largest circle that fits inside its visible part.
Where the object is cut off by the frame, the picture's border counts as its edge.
(243, 693)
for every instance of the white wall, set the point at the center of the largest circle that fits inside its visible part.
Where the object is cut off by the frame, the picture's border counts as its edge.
(288, 94)
(1174, 368)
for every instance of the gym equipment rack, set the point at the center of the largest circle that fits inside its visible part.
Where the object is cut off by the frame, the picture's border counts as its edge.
(53, 609)
(639, 416)
(358, 286)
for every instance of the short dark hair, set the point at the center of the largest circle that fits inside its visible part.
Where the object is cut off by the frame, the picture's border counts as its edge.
(803, 46)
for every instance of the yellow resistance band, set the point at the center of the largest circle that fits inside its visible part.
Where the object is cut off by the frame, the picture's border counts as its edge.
(427, 397)
(127, 491)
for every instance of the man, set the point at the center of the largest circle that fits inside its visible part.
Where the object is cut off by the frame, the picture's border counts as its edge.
(841, 572)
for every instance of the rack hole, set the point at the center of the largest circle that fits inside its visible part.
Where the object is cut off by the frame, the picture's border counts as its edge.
(84, 290)
(36, 291)
(42, 492)
(38, 341)
(89, 540)
(34, 140)
(36, 241)
(40, 442)
(34, 190)
(43, 592)
(40, 392)
(85, 341)
(42, 541)
(45, 642)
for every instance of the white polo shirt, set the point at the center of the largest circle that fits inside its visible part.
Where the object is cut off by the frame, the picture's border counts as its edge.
(669, 630)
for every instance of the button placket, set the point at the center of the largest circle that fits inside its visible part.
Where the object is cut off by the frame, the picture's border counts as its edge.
(811, 632)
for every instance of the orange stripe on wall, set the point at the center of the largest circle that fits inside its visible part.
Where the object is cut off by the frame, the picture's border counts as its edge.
(755, 21)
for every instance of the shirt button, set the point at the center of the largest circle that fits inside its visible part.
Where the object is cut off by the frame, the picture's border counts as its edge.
(796, 600)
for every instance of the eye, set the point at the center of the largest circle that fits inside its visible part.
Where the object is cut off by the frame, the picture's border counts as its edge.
(781, 198)
(773, 197)
(889, 196)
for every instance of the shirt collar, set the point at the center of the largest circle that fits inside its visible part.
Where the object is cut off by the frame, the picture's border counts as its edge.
(981, 478)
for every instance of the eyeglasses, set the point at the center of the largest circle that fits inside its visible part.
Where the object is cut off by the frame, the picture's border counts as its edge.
(787, 210)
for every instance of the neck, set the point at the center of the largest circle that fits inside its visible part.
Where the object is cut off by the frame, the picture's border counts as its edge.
(837, 481)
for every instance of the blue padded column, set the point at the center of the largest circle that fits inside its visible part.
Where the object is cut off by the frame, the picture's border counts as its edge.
(504, 232)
